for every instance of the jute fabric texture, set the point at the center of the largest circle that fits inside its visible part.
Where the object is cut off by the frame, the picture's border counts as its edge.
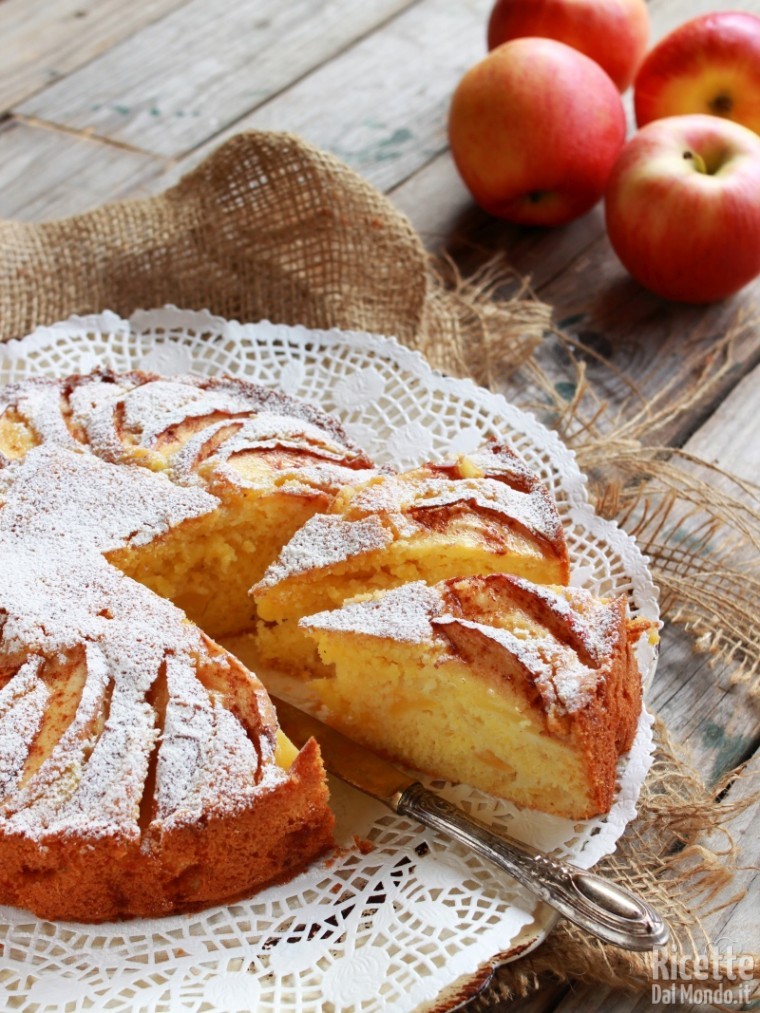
(268, 227)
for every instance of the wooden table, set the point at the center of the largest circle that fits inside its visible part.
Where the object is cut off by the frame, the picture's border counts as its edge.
(104, 99)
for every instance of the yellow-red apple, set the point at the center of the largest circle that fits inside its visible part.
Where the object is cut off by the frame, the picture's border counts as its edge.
(683, 207)
(709, 65)
(613, 33)
(535, 129)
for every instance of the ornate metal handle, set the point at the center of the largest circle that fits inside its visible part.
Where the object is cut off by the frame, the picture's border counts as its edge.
(608, 911)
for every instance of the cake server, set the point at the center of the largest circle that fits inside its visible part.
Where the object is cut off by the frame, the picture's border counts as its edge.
(605, 909)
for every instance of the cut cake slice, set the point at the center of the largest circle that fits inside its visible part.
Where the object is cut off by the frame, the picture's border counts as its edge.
(480, 513)
(527, 692)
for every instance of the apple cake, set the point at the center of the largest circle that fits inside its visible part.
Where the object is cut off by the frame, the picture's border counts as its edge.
(142, 770)
(528, 692)
(270, 462)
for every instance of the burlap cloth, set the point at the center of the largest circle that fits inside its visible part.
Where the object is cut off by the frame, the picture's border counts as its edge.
(269, 227)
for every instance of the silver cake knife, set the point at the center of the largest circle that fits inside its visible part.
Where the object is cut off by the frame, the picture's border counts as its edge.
(605, 909)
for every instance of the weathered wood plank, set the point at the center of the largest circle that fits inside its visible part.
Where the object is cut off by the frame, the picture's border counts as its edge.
(187, 77)
(697, 700)
(728, 438)
(42, 40)
(738, 922)
(702, 710)
(50, 174)
(648, 339)
(438, 205)
(381, 106)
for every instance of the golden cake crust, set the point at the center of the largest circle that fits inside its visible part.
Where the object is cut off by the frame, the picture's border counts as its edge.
(214, 860)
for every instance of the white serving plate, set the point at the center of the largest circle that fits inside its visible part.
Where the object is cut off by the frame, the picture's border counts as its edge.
(416, 922)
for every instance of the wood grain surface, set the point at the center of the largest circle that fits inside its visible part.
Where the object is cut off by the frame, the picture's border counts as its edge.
(43, 41)
(191, 74)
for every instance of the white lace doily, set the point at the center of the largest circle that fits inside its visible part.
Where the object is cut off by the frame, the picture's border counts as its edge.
(394, 928)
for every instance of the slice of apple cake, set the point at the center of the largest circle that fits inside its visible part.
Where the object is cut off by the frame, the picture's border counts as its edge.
(525, 691)
(480, 513)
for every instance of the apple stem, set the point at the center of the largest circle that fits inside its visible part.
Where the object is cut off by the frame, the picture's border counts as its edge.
(721, 105)
(699, 162)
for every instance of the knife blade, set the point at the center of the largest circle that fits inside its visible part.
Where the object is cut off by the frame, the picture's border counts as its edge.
(607, 910)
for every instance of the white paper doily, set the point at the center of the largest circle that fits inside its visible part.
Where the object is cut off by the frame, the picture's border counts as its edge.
(416, 917)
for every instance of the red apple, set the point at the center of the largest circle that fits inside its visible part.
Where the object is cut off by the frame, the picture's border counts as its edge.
(708, 65)
(535, 129)
(683, 207)
(613, 33)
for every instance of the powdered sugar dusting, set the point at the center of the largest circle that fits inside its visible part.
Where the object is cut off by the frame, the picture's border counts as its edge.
(329, 462)
(564, 682)
(116, 414)
(418, 613)
(594, 622)
(323, 540)
(22, 704)
(60, 511)
(60, 495)
(403, 614)
(54, 783)
(91, 394)
(154, 407)
(533, 510)
(398, 503)
(41, 404)
(497, 461)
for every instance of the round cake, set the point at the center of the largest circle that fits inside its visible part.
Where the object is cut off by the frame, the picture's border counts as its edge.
(142, 518)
